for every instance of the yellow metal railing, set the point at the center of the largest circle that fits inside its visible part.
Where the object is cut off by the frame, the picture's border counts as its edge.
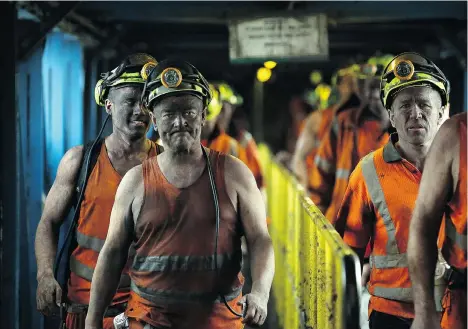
(317, 274)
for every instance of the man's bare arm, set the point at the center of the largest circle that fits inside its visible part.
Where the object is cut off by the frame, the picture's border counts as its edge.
(114, 253)
(434, 191)
(251, 208)
(253, 217)
(305, 144)
(57, 206)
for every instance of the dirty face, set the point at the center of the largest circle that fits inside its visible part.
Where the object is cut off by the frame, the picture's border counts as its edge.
(416, 113)
(179, 120)
(129, 117)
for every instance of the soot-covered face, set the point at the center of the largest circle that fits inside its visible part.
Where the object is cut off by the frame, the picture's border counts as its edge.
(179, 120)
(128, 115)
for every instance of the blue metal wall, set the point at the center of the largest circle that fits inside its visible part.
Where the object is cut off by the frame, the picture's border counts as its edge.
(31, 167)
(50, 96)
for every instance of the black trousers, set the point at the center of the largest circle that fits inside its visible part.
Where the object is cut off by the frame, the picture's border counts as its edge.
(379, 320)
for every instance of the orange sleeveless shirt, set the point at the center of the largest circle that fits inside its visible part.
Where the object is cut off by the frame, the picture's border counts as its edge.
(174, 282)
(91, 233)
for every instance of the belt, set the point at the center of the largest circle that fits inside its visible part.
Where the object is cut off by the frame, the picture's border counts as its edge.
(111, 311)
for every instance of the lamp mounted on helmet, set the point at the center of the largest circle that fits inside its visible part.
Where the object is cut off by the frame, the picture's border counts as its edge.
(410, 70)
(171, 77)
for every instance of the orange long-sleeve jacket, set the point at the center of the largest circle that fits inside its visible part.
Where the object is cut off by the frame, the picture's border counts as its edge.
(326, 117)
(351, 136)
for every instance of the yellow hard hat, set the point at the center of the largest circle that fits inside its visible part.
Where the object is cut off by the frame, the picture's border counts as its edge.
(172, 77)
(228, 94)
(411, 69)
(133, 70)
(215, 106)
(352, 70)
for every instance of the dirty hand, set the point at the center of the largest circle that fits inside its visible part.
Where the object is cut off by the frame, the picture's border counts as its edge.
(426, 322)
(48, 295)
(366, 269)
(255, 311)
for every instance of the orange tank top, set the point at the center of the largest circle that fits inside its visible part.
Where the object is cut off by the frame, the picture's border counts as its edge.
(174, 282)
(455, 243)
(91, 232)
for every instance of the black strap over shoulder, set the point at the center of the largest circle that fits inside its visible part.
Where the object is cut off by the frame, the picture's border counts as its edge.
(86, 168)
(93, 154)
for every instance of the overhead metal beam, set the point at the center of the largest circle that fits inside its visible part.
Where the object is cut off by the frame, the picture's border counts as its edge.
(49, 21)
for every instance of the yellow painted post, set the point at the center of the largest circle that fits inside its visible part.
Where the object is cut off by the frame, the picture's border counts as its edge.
(320, 270)
(329, 286)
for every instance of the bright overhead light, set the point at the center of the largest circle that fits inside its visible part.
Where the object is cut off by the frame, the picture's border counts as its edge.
(263, 74)
(270, 65)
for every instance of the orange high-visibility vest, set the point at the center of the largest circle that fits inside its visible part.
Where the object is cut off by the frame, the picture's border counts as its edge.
(224, 143)
(91, 232)
(325, 122)
(174, 279)
(349, 139)
(378, 205)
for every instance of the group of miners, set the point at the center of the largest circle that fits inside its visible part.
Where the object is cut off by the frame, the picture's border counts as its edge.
(387, 167)
(174, 233)
(161, 231)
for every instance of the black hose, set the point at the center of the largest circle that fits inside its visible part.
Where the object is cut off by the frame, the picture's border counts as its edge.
(215, 199)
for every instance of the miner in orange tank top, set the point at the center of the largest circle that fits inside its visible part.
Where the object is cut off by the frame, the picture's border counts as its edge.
(182, 275)
(119, 92)
(442, 192)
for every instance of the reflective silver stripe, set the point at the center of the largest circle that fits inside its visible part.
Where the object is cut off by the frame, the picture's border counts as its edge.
(452, 233)
(378, 199)
(96, 244)
(174, 296)
(342, 173)
(89, 242)
(233, 148)
(87, 272)
(181, 263)
(399, 294)
(323, 164)
(246, 138)
(389, 261)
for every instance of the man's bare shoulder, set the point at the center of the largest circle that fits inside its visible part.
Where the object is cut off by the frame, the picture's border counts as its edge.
(447, 138)
(71, 163)
(133, 177)
(237, 171)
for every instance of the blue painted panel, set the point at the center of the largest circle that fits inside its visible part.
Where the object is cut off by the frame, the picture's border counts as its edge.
(63, 81)
(31, 162)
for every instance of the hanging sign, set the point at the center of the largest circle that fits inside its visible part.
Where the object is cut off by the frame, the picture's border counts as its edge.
(279, 38)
